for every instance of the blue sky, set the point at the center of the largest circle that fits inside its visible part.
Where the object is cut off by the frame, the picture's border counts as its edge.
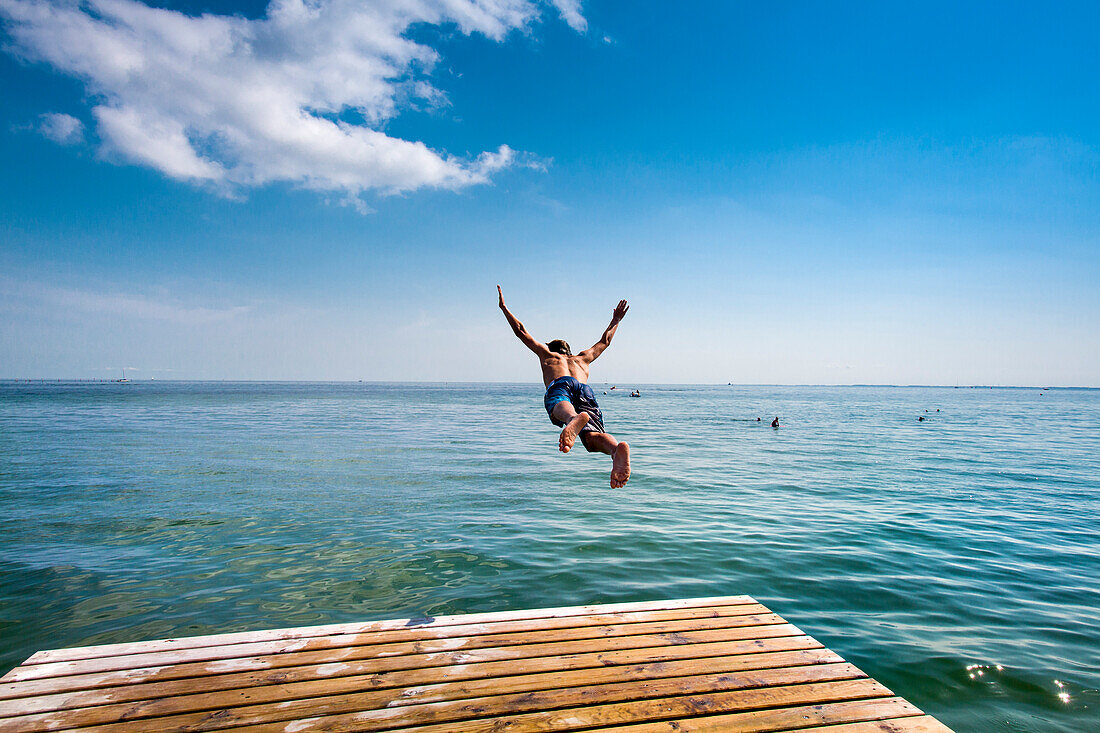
(785, 192)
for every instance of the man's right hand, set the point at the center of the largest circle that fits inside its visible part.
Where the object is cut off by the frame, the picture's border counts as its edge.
(501, 296)
(619, 312)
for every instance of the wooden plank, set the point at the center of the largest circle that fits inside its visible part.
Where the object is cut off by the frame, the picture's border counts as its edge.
(458, 713)
(828, 718)
(785, 651)
(371, 662)
(210, 712)
(394, 643)
(138, 691)
(725, 664)
(608, 630)
(192, 642)
(919, 724)
(431, 631)
(15, 689)
(414, 688)
(530, 713)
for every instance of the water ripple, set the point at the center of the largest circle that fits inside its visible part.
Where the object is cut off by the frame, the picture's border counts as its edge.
(954, 559)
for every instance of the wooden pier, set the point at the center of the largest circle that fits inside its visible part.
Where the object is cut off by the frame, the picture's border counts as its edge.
(705, 664)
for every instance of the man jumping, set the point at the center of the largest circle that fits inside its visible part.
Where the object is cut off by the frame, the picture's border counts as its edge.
(569, 400)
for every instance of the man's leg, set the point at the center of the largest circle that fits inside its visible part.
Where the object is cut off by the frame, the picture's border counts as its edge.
(619, 452)
(574, 421)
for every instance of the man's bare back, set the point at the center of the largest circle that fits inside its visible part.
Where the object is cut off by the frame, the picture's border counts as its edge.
(569, 400)
(560, 365)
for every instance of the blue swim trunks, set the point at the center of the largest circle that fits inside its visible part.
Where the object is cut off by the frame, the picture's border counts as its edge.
(583, 399)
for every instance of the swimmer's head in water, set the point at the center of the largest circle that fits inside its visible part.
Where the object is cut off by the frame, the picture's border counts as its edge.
(558, 346)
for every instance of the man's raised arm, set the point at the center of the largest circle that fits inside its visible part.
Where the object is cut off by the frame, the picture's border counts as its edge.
(521, 332)
(597, 348)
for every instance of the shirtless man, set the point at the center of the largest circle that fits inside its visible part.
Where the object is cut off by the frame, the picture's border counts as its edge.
(569, 400)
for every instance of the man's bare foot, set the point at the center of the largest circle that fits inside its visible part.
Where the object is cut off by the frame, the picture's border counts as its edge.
(571, 430)
(620, 466)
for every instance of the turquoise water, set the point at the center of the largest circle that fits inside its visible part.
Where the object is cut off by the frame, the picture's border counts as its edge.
(957, 560)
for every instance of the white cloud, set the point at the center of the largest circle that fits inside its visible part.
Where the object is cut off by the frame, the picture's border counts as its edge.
(63, 129)
(571, 13)
(236, 102)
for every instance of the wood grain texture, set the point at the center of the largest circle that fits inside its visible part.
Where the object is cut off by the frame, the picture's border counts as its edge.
(621, 610)
(393, 644)
(724, 663)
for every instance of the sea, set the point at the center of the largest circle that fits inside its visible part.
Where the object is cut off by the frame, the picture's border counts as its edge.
(956, 559)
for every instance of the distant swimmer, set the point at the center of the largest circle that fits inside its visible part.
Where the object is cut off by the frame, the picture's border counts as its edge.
(757, 419)
(569, 401)
(920, 419)
(775, 423)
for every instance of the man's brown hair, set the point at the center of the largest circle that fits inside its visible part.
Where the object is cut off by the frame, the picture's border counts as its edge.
(558, 346)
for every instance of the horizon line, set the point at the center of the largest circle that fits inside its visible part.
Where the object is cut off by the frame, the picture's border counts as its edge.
(107, 380)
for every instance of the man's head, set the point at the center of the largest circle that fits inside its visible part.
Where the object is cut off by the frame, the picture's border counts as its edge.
(558, 346)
